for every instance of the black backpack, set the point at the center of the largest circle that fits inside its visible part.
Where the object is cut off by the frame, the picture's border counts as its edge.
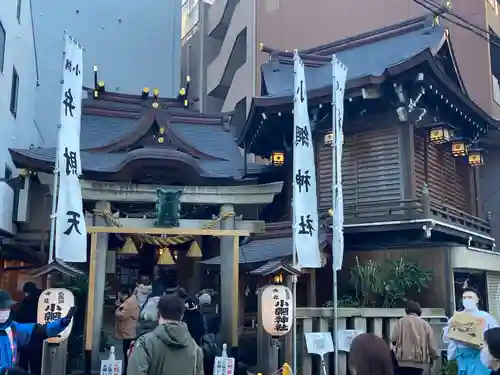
(208, 342)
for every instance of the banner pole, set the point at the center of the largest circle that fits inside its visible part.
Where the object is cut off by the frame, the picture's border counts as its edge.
(334, 231)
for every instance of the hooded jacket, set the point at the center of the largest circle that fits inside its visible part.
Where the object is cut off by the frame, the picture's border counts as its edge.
(169, 349)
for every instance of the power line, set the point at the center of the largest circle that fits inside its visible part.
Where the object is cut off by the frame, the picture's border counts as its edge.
(427, 4)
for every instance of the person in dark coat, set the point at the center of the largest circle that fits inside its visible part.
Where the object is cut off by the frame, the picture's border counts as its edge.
(194, 319)
(30, 357)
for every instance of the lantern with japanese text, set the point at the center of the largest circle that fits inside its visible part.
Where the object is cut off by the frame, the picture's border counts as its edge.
(278, 158)
(439, 135)
(277, 309)
(54, 304)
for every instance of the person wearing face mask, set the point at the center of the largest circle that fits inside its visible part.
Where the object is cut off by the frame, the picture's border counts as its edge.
(490, 352)
(14, 335)
(468, 357)
(126, 319)
(169, 349)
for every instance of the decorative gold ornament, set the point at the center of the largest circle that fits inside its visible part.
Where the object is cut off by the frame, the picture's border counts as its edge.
(165, 258)
(194, 251)
(128, 247)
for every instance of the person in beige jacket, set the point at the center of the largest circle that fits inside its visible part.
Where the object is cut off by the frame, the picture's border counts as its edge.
(126, 319)
(414, 344)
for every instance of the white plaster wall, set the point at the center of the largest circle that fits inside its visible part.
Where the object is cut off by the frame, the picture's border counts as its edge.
(20, 131)
(463, 258)
(134, 43)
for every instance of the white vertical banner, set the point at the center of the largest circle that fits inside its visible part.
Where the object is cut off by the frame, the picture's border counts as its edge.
(71, 232)
(305, 199)
(339, 75)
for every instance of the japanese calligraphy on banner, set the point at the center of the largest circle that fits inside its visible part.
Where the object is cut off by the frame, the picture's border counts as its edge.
(71, 233)
(111, 367)
(305, 200)
(54, 304)
(339, 75)
(277, 309)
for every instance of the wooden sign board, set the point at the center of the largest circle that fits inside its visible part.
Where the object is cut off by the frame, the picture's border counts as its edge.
(466, 328)
(54, 304)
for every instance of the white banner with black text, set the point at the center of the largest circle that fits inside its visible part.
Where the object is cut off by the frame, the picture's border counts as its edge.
(71, 233)
(339, 75)
(305, 199)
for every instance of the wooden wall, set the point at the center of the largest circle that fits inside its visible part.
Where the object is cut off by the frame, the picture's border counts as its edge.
(371, 167)
(448, 177)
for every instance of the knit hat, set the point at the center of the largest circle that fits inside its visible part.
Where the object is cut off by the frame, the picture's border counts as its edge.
(205, 299)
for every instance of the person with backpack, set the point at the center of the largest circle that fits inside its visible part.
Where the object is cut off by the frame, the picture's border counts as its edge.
(211, 325)
(169, 348)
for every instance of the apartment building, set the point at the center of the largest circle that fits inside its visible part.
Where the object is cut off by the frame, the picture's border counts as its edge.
(226, 63)
(134, 44)
(18, 85)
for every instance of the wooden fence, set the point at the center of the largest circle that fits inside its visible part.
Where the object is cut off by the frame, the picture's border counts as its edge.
(370, 320)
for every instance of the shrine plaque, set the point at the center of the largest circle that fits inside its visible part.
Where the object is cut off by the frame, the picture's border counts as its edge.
(54, 304)
(467, 328)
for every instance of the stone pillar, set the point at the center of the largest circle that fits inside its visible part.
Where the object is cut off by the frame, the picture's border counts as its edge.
(100, 283)
(229, 272)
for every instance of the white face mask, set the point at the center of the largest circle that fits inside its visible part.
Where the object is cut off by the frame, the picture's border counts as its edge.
(469, 304)
(4, 316)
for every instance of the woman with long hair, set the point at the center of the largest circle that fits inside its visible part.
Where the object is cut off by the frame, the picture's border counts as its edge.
(370, 355)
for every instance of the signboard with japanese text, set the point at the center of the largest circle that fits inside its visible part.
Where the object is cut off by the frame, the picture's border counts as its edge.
(277, 309)
(304, 202)
(71, 232)
(345, 337)
(224, 366)
(319, 343)
(111, 367)
(54, 304)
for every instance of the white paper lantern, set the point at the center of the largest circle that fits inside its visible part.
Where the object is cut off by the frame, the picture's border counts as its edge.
(54, 304)
(277, 309)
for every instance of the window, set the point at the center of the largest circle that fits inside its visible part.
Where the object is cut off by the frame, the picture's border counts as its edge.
(14, 92)
(19, 11)
(2, 46)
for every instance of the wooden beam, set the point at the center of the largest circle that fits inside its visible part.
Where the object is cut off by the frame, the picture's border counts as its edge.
(169, 231)
(253, 226)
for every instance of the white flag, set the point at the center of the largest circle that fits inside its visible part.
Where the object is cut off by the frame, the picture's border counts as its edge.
(339, 73)
(305, 199)
(71, 232)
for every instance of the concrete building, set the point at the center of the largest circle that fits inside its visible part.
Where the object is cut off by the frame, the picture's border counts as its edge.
(229, 66)
(134, 45)
(18, 85)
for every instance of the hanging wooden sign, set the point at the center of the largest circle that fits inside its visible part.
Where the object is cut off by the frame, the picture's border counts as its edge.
(54, 304)
(277, 309)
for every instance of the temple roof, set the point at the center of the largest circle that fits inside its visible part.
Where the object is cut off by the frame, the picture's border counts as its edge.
(372, 58)
(120, 139)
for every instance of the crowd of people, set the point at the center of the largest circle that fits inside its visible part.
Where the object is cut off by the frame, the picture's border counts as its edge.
(165, 330)
(157, 320)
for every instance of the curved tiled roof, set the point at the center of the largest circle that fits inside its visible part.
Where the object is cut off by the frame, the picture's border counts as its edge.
(113, 124)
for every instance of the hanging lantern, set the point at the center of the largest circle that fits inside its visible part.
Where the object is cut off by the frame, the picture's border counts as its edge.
(278, 278)
(278, 158)
(165, 258)
(475, 157)
(194, 251)
(459, 148)
(128, 247)
(439, 135)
